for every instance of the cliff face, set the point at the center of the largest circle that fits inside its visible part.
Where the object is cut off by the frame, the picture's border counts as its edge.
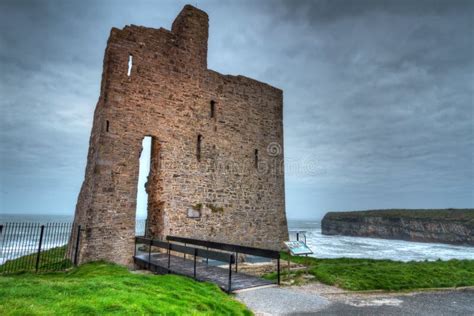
(442, 226)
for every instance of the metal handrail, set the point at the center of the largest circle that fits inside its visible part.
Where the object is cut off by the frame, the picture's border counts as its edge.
(195, 252)
(266, 253)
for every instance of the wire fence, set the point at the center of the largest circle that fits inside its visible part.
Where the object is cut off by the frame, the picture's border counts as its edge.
(42, 247)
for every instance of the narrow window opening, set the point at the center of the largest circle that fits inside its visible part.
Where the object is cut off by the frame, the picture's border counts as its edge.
(142, 195)
(256, 158)
(107, 124)
(130, 64)
(198, 150)
(213, 108)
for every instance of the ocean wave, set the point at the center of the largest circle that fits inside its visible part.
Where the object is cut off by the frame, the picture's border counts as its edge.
(325, 246)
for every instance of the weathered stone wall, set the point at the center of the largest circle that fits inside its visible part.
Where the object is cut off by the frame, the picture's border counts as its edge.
(235, 184)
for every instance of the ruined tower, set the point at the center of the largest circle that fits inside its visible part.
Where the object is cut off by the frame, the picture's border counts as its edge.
(217, 160)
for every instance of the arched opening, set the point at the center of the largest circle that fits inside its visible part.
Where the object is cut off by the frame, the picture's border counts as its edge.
(142, 195)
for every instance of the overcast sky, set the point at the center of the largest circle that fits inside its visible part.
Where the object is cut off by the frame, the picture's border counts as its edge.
(378, 95)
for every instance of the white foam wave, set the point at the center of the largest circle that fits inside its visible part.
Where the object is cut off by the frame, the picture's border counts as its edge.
(360, 247)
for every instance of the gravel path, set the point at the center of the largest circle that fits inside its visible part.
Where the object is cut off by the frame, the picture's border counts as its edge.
(281, 301)
(298, 301)
(421, 304)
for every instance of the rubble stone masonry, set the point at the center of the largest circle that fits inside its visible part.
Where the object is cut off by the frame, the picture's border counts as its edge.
(217, 160)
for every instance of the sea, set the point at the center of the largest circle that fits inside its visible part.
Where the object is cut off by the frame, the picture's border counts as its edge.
(322, 246)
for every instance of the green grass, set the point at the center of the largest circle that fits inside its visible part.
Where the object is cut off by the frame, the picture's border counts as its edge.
(369, 274)
(101, 288)
(50, 260)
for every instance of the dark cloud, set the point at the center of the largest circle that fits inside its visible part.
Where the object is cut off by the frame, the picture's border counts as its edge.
(378, 95)
(332, 11)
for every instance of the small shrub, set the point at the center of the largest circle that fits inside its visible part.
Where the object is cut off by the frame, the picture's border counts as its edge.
(215, 209)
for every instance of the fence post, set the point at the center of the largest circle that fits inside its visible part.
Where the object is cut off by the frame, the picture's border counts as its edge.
(76, 250)
(39, 247)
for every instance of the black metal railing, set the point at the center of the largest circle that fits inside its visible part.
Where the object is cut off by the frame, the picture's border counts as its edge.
(35, 247)
(192, 251)
(237, 249)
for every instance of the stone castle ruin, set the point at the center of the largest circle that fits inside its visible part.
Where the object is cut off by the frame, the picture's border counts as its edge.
(216, 169)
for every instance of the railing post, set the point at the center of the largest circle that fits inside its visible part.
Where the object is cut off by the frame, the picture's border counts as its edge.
(236, 261)
(195, 250)
(135, 248)
(76, 249)
(207, 257)
(169, 256)
(229, 286)
(149, 254)
(278, 269)
(38, 255)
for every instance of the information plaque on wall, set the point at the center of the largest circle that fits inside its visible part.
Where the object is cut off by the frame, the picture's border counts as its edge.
(298, 248)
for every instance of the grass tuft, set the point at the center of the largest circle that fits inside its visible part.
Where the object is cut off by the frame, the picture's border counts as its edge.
(371, 274)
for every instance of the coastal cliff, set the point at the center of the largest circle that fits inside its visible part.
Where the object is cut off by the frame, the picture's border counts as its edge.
(451, 226)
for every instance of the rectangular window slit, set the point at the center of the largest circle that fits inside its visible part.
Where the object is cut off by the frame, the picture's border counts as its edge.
(256, 158)
(130, 64)
(213, 108)
(107, 124)
(198, 150)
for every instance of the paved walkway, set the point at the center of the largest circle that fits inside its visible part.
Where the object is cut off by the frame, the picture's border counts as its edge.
(297, 301)
(281, 301)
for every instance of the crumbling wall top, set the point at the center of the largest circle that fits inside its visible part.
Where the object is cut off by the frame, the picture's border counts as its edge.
(192, 28)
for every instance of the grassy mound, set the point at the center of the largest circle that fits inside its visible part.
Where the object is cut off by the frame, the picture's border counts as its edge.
(103, 288)
(370, 274)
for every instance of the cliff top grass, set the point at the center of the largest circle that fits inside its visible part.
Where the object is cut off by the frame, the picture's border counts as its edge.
(101, 288)
(371, 274)
(457, 215)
